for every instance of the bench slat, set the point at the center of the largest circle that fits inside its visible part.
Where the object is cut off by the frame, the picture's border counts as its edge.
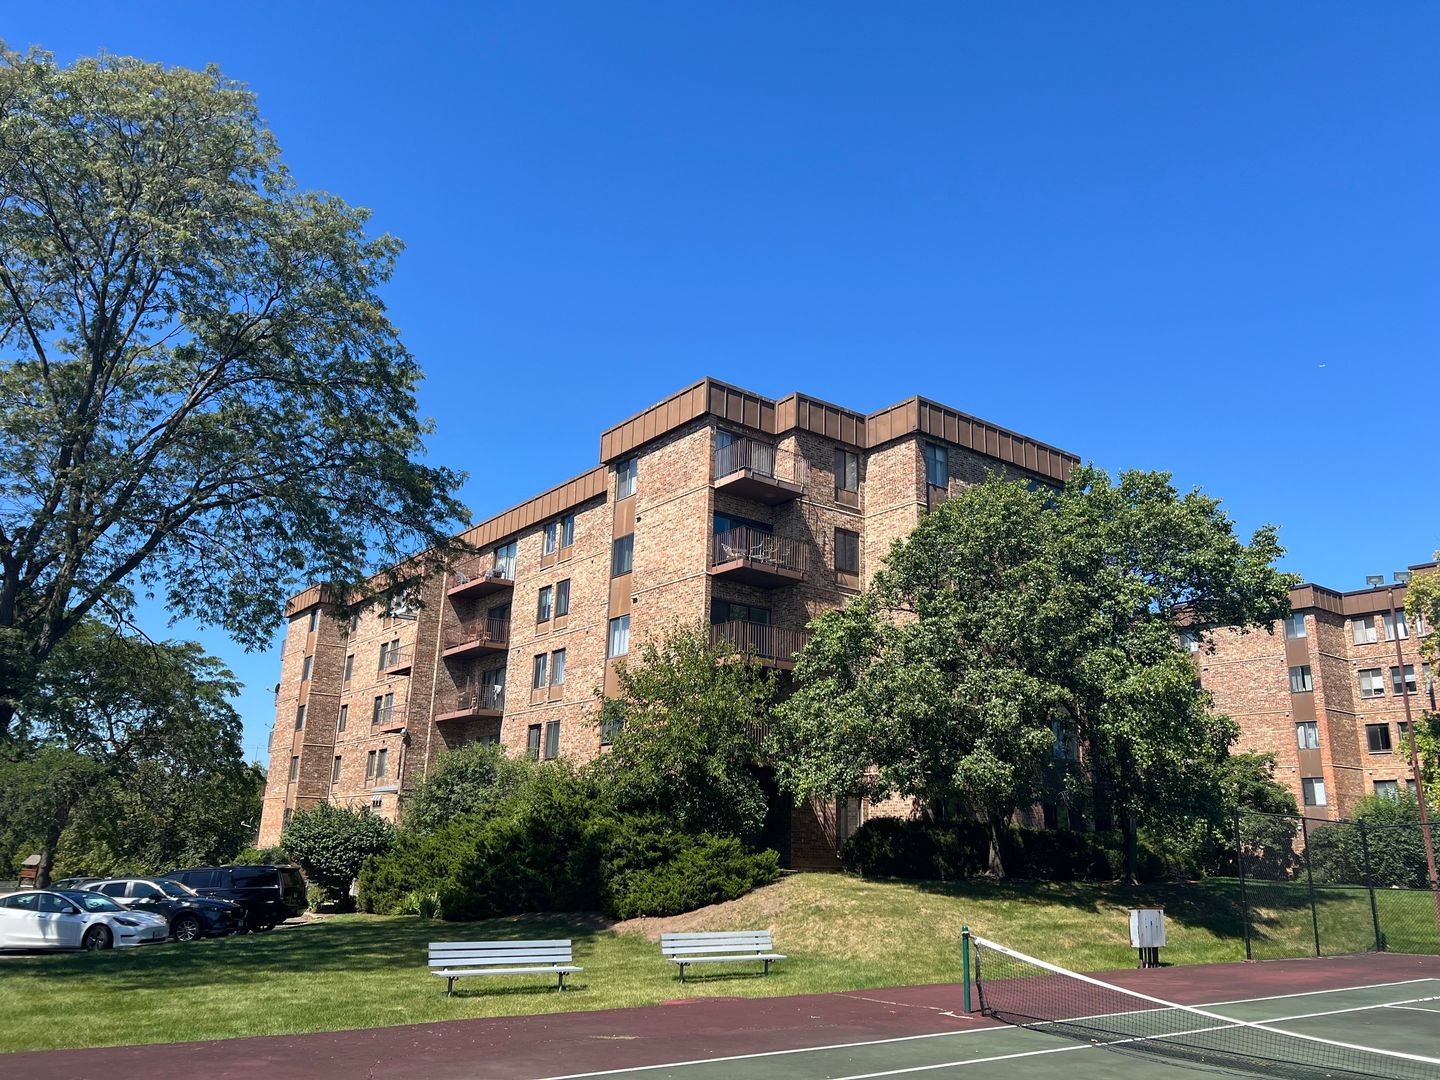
(717, 936)
(553, 943)
(724, 959)
(556, 970)
(686, 950)
(491, 961)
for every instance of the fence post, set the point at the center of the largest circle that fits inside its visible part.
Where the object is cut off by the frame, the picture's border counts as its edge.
(1370, 885)
(1310, 880)
(1240, 872)
(965, 963)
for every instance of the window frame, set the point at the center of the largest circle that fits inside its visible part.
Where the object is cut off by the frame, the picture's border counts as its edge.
(545, 604)
(551, 749)
(294, 769)
(344, 720)
(307, 668)
(937, 458)
(532, 741)
(335, 771)
(1302, 679)
(300, 717)
(1310, 786)
(621, 544)
(621, 624)
(1295, 621)
(1363, 630)
(562, 598)
(1372, 682)
(1390, 624)
(1377, 739)
(852, 543)
(627, 478)
(1307, 734)
(1404, 680)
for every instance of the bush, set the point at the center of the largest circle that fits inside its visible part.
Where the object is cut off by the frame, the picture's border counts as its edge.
(253, 856)
(649, 867)
(415, 862)
(955, 850)
(919, 850)
(331, 845)
(471, 780)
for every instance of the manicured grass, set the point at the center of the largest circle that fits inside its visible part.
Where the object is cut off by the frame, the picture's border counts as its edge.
(358, 971)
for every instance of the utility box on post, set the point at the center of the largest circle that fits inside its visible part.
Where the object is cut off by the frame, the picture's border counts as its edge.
(1147, 934)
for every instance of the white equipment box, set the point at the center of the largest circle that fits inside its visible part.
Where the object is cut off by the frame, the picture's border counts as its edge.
(1147, 934)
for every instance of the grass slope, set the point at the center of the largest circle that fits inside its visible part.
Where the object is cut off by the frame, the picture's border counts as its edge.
(358, 971)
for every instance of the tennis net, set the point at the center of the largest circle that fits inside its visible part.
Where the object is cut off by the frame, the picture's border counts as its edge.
(1022, 990)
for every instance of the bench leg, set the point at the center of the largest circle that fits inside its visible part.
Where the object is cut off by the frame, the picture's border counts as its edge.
(682, 972)
(562, 979)
(449, 986)
(767, 967)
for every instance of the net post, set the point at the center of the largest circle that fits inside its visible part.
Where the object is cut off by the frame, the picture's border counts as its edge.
(1370, 885)
(1310, 880)
(1240, 873)
(965, 963)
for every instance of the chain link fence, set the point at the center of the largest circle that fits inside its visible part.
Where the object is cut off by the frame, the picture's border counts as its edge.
(1312, 887)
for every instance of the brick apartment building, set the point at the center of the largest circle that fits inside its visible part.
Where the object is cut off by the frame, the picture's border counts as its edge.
(1323, 692)
(717, 504)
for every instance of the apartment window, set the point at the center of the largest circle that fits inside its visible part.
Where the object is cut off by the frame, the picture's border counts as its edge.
(557, 668)
(610, 726)
(1190, 639)
(562, 598)
(1362, 631)
(847, 471)
(937, 465)
(289, 813)
(300, 718)
(1300, 679)
(552, 740)
(1307, 735)
(335, 770)
(306, 668)
(1312, 790)
(349, 666)
(619, 637)
(1371, 683)
(1394, 623)
(532, 742)
(847, 551)
(1388, 788)
(625, 476)
(1402, 729)
(354, 623)
(344, 716)
(505, 559)
(567, 531)
(622, 555)
(314, 619)
(552, 539)
(723, 611)
(370, 765)
(294, 769)
(380, 757)
(1295, 625)
(1377, 738)
(389, 653)
(376, 706)
(539, 671)
(1408, 685)
(544, 605)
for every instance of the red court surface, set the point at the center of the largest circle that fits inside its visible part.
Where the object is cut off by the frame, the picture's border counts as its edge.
(564, 1043)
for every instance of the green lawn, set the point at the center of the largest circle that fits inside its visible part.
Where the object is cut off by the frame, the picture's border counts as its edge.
(359, 971)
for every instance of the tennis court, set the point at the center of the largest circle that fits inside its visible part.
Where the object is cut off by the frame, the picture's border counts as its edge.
(1041, 1021)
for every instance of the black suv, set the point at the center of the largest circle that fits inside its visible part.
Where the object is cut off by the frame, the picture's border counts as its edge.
(269, 894)
(191, 916)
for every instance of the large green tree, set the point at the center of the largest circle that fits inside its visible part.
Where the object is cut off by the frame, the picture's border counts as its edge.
(201, 395)
(1017, 626)
(129, 752)
(685, 730)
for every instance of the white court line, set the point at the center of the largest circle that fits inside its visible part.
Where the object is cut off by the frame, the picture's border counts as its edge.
(973, 1031)
(1416, 1008)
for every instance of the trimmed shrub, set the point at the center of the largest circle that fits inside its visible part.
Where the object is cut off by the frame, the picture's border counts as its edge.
(649, 867)
(955, 850)
(331, 845)
(415, 862)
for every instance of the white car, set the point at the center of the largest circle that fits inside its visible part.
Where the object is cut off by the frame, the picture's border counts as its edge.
(73, 919)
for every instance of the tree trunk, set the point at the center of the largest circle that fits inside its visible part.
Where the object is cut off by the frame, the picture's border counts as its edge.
(999, 842)
(1132, 847)
(51, 841)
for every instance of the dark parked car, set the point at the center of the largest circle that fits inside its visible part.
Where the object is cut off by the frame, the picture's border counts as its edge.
(269, 894)
(190, 915)
(74, 883)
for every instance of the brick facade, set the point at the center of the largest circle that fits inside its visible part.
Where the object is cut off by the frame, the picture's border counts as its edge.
(1249, 679)
(779, 482)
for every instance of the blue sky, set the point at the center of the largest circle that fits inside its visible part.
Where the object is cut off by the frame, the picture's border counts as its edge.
(1198, 238)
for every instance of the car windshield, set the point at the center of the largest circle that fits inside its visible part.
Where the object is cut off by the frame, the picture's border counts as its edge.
(92, 901)
(173, 888)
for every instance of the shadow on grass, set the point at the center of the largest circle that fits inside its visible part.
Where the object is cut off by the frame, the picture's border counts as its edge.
(356, 946)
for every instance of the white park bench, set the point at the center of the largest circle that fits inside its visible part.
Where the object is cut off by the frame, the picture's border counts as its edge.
(456, 959)
(719, 948)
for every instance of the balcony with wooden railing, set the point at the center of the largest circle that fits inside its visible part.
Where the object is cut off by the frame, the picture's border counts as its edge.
(471, 701)
(484, 635)
(757, 470)
(761, 643)
(480, 576)
(754, 557)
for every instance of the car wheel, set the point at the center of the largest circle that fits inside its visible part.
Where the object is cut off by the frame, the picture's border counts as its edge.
(96, 938)
(185, 927)
(257, 924)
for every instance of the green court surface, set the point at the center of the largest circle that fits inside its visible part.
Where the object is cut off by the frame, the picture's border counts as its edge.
(1400, 1017)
